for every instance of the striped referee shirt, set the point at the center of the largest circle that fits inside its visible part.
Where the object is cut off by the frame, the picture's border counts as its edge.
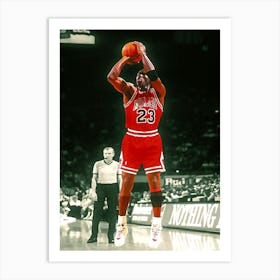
(106, 173)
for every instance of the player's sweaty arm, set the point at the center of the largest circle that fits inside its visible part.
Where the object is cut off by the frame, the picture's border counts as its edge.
(116, 81)
(148, 66)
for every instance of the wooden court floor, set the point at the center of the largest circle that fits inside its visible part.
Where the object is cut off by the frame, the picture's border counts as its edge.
(75, 233)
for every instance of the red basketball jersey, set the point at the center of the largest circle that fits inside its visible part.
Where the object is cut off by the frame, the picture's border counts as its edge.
(143, 111)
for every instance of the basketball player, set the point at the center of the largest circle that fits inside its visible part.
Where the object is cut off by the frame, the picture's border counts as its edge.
(141, 145)
(105, 183)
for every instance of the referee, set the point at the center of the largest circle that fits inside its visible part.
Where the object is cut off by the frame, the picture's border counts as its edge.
(105, 184)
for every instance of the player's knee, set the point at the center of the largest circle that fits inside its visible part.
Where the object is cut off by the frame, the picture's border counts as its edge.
(154, 181)
(127, 184)
(128, 179)
(156, 198)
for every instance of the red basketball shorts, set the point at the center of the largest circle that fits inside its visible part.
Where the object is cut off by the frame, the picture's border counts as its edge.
(137, 151)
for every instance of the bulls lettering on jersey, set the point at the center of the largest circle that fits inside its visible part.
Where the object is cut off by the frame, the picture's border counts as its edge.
(143, 111)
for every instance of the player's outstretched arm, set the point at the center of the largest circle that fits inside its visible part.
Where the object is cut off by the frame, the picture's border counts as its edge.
(116, 81)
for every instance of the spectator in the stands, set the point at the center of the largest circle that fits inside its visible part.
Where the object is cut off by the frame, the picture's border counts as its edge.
(85, 204)
(75, 206)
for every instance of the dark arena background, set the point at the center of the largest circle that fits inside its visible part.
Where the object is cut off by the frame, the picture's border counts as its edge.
(92, 115)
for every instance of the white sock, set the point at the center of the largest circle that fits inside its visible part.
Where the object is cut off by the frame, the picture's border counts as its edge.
(121, 219)
(156, 220)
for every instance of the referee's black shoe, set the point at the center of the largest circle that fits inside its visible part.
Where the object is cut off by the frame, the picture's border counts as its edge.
(111, 239)
(92, 239)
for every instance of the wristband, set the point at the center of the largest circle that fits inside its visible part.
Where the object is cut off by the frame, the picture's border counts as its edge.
(152, 75)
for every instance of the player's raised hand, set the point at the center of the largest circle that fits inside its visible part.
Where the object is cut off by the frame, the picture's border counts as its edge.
(129, 60)
(141, 49)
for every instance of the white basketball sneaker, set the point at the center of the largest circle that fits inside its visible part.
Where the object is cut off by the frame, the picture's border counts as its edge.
(154, 240)
(121, 231)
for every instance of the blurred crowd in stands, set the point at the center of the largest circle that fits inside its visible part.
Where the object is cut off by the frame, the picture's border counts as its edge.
(206, 188)
(78, 205)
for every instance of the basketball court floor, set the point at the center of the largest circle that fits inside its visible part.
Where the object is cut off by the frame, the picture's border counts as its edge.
(75, 233)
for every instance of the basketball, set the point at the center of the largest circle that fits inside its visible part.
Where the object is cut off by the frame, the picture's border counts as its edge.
(130, 49)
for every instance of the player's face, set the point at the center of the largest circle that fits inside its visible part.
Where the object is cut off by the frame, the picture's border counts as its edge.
(108, 154)
(142, 81)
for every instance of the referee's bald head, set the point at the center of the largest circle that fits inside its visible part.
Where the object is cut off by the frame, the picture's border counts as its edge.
(107, 150)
